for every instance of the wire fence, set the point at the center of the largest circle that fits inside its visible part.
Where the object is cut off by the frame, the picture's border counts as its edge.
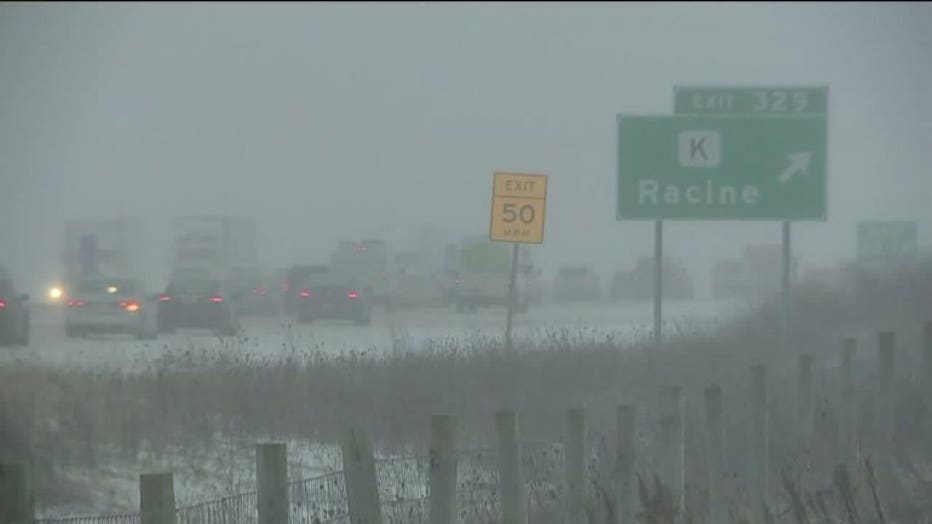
(403, 490)
(319, 500)
(126, 518)
(237, 509)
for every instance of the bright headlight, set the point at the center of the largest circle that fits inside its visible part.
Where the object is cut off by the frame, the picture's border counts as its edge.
(55, 293)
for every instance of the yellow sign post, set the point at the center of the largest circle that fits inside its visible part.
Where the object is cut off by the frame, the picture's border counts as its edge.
(518, 202)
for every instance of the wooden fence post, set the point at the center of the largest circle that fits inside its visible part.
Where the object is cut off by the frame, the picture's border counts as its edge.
(574, 451)
(442, 469)
(157, 499)
(511, 475)
(359, 476)
(626, 494)
(671, 450)
(715, 429)
(885, 414)
(760, 442)
(849, 404)
(926, 367)
(804, 417)
(805, 398)
(17, 494)
(272, 483)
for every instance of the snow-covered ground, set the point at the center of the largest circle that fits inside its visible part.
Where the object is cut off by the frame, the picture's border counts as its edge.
(270, 337)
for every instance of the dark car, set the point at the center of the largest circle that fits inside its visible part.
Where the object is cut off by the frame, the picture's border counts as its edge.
(292, 284)
(330, 295)
(198, 302)
(14, 315)
(256, 291)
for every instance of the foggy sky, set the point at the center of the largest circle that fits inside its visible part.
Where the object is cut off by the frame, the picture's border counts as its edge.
(329, 121)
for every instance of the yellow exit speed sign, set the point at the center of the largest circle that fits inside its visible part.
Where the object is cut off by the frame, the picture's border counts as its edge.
(518, 202)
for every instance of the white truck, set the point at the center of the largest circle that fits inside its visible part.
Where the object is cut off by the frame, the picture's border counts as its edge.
(482, 273)
(220, 245)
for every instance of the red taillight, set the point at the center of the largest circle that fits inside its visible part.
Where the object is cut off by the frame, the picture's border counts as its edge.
(216, 299)
(2, 304)
(164, 298)
(76, 302)
(352, 294)
(305, 293)
(130, 305)
(261, 291)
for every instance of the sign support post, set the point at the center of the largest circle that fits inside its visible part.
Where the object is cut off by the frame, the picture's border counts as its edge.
(511, 298)
(658, 282)
(785, 288)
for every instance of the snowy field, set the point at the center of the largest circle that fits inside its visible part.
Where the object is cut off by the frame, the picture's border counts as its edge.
(225, 466)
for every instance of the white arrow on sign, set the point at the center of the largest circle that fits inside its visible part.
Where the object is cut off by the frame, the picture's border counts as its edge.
(799, 163)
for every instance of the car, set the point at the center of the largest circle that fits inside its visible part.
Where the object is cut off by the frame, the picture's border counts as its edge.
(198, 302)
(109, 305)
(14, 314)
(332, 295)
(256, 291)
(291, 285)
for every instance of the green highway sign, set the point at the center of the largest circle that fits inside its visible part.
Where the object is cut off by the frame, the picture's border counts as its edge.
(774, 101)
(721, 168)
(887, 240)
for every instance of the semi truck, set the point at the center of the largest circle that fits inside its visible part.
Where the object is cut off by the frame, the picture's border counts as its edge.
(221, 245)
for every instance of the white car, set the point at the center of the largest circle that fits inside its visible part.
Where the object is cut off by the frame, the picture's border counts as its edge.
(110, 305)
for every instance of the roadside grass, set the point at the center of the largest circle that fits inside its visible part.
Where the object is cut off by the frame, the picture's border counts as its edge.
(189, 401)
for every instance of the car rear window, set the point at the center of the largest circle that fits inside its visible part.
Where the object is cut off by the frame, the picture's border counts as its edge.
(104, 287)
(297, 274)
(329, 278)
(195, 286)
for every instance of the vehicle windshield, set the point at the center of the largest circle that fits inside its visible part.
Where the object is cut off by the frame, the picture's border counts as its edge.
(247, 274)
(105, 287)
(194, 286)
